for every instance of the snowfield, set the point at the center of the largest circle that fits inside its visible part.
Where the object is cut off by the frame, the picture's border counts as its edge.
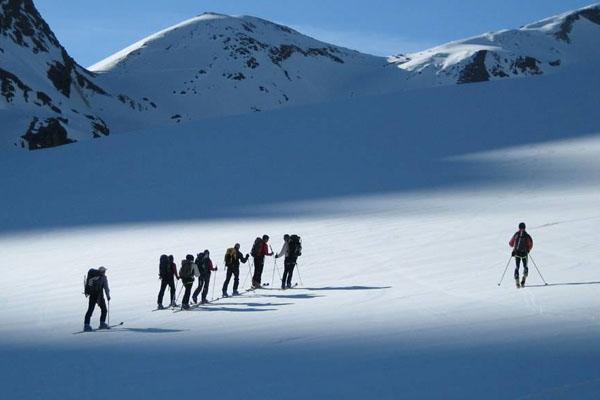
(405, 203)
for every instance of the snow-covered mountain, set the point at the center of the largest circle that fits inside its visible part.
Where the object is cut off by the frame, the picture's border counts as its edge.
(215, 65)
(46, 98)
(535, 49)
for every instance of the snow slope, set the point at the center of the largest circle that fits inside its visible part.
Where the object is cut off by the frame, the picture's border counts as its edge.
(535, 49)
(215, 65)
(405, 203)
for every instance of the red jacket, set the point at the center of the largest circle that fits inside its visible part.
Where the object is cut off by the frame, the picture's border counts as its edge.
(528, 238)
(263, 251)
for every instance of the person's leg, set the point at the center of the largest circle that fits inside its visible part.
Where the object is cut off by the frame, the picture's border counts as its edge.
(161, 293)
(205, 288)
(236, 279)
(255, 275)
(259, 270)
(517, 266)
(285, 273)
(186, 295)
(91, 305)
(198, 289)
(525, 271)
(173, 290)
(290, 269)
(103, 310)
(227, 278)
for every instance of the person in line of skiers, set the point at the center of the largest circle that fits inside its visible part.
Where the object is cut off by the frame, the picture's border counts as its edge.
(259, 251)
(96, 284)
(289, 262)
(521, 243)
(205, 266)
(233, 256)
(167, 272)
(188, 271)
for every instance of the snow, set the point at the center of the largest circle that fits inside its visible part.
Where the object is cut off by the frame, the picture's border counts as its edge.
(405, 203)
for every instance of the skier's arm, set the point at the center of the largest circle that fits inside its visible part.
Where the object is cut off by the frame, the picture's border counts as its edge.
(241, 257)
(266, 250)
(106, 288)
(196, 271)
(529, 243)
(283, 250)
(174, 268)
(210, 266)
(511, 243)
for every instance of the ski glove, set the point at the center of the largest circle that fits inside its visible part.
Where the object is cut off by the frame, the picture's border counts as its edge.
(108, 297)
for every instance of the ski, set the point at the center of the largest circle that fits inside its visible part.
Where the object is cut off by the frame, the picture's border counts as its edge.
(291, 287)
(96, 330)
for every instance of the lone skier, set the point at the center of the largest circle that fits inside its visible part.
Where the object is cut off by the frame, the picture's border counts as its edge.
(233, 256)
(291, 249)
(521, 243)
(259, 251)
(187, 272)
(96, 284)
(205, 266)
(167, 271)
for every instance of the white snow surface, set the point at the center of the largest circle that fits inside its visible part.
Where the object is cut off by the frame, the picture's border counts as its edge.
(405, 202)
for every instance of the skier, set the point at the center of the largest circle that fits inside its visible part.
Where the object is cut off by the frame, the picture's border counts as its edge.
(205, 266)
(521, 243)
(233, 256)
(259, 251)
(187, 273)
(167, 271)
(291, 249)
(96, 284)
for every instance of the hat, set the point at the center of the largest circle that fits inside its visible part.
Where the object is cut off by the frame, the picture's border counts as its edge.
(102, 269)
(522, 225)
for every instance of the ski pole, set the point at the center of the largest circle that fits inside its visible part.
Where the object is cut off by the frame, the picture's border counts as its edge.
(247, 275)
(215, 282)
(179, 294)
(108, 312)
(505, 269)
(538, 270)
(299, 277)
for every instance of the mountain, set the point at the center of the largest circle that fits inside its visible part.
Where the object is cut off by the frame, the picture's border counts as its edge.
(535, 49)
(215, 65)
(46, 98)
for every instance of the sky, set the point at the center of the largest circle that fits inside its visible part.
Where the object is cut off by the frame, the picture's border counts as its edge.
(92, 30)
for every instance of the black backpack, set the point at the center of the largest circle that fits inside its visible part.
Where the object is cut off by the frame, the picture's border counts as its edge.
(258, 242)
(186, 272)
(295, 246)
(93, 282)
(521, 240)
(164, 267)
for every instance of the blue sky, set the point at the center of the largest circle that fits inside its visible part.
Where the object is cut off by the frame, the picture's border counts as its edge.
(92, 30)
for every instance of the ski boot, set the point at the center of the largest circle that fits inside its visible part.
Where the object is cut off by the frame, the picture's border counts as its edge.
(225, 294)
(103, 325)
(160, 307)
(185, 307)
(204, 301)
(173, 304)
(517, 283)
(195, 300)
(235, 293)
(523, 282)
(282, 285)
(289, 285)
(87, 328)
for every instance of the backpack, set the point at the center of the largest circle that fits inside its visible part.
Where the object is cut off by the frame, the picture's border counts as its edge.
(257, 248)
(521, 243)
(93, 282)
(186, 272)
(164, 270)
(230, 257)
(295, 246)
